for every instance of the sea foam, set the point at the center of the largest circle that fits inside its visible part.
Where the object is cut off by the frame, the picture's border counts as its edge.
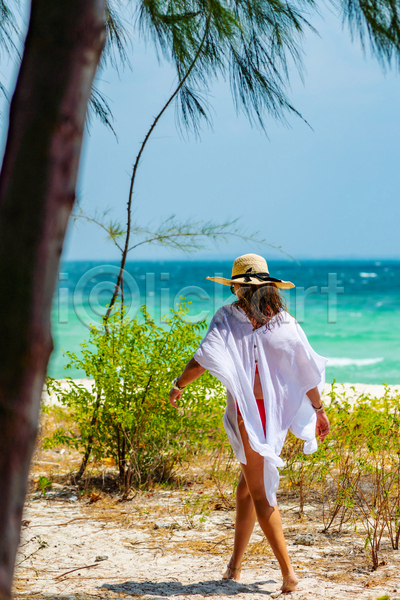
(359, 362)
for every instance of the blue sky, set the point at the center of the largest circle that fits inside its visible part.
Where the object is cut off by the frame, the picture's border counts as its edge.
(330, 191)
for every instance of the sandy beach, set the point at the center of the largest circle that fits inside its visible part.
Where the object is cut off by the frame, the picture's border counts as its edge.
(73, 549)
(103, 548)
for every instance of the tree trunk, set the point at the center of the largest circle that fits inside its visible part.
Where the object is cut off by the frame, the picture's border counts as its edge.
(37, 192)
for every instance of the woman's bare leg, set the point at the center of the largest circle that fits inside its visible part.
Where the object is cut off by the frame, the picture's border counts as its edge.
(244, 525)
(268, 516)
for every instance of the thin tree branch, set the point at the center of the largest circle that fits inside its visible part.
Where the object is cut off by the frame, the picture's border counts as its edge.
(200, 234)
(119, 282)
(82, 215)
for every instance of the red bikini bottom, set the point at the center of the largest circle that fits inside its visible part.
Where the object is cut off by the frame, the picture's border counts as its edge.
(261, 410)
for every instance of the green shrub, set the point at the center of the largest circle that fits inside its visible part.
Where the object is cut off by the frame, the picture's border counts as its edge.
(366, 465)
(301, 471)
(356, 469)
(44, 484)
(126, 415)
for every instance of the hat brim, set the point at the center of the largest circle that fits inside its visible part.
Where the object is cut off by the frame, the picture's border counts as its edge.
(278, 283)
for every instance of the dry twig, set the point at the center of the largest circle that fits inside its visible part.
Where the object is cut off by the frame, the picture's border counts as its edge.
(77, 569)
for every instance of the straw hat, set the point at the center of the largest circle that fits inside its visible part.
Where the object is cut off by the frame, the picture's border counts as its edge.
(252, 269)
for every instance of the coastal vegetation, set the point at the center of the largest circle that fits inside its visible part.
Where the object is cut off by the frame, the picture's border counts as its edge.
(352, 484)
(127, 416)
(356, 472)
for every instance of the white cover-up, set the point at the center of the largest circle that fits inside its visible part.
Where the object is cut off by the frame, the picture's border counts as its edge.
(288, 368)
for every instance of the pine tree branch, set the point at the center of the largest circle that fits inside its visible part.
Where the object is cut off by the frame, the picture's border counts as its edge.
(170, 239)
(112, 229)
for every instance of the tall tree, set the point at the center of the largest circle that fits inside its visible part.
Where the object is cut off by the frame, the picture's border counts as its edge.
(37, 192)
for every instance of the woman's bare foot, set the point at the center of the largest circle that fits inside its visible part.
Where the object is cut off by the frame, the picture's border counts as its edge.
(289, 583)
(232, 573)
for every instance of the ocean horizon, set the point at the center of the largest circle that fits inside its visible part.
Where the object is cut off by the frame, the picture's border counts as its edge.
(349, 309)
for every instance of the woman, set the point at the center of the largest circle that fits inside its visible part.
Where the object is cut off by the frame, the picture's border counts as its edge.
(273, 379)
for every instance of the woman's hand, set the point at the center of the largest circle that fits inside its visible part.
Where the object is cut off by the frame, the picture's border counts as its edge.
(322, 428)
(174, 395)
(190, 373)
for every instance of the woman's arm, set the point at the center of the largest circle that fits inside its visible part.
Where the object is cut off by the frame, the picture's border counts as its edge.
(191, 372)
(314, 397)
(322, 419)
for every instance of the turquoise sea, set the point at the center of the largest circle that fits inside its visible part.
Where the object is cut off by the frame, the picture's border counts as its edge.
(357, 327)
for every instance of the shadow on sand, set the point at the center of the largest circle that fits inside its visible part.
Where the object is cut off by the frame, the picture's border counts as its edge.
(203, 588)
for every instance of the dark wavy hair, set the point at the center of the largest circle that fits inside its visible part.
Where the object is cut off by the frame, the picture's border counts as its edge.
(260, 303)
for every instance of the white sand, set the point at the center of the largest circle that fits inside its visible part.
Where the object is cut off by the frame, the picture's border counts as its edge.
(139, 561)
(356, 389)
